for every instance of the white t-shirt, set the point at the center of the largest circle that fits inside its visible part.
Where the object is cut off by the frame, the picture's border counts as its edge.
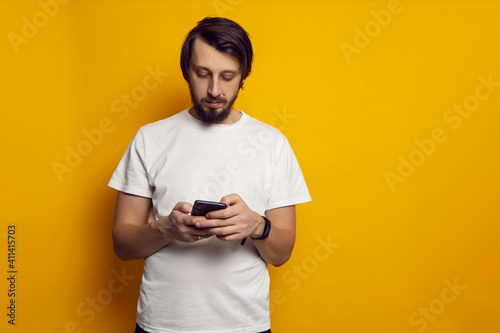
(209, 285)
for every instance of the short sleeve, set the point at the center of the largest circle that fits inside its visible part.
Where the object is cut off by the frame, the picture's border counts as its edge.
(289, 187)
(131, 174)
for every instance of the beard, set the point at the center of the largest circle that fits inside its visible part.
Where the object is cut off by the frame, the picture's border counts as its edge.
(210, 115)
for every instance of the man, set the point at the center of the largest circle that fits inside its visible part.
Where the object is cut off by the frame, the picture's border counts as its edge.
(208, 273)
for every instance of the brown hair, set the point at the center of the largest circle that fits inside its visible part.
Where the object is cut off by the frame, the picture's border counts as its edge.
(226, 36)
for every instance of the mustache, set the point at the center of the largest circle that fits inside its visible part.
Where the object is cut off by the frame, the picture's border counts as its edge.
(218, 99)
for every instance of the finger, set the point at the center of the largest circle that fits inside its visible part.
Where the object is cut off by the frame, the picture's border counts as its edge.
(205, 237)
(199, 232)
(197, 221)
(222, 214)
(182, 220)
(231, 237)
(212, 223)
(200, 237)
(230, 199)
(184, 207)
(224, 231)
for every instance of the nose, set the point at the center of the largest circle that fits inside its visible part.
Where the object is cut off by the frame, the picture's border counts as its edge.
(214, 87)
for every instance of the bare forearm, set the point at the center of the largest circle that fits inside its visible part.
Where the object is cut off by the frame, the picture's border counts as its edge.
(137, 242)
(277, 248)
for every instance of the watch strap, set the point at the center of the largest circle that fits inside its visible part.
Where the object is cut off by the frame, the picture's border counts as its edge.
(267, 229)
(265, 234)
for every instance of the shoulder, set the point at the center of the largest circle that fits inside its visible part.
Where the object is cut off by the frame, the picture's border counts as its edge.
(265, 135)
(163, 125)
(156, 134)
(161, 130)
(264, 129)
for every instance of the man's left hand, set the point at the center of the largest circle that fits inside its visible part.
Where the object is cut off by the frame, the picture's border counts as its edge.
(235, 222)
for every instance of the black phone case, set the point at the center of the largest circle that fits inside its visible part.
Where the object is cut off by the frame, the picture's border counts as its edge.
(201, 207)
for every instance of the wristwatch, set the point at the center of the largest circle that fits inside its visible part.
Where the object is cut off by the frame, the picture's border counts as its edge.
(267, 229)
(265, 234)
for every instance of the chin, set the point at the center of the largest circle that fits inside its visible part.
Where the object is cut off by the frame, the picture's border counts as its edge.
(210, 115)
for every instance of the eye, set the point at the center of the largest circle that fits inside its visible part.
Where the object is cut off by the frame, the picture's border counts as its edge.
(227, 77)
(202, 74)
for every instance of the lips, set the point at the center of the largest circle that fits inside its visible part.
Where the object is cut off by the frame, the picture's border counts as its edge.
(213, 103)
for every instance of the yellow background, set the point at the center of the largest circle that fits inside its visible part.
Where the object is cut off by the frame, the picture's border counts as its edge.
(395, 248)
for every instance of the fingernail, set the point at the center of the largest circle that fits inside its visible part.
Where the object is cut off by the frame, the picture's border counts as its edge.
(197, 224)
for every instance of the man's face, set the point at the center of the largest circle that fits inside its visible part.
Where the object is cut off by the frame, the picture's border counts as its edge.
(214, 82)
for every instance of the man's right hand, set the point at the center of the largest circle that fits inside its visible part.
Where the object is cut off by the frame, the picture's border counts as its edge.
(179, 225)
(134, 238)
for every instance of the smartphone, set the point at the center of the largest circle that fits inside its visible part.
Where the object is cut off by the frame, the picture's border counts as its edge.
(201, 207)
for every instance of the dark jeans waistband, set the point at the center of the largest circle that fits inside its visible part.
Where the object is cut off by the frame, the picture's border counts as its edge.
(138, 329)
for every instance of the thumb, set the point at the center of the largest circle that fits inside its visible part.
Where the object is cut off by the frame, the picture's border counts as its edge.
(230, 199)
(184, 207)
